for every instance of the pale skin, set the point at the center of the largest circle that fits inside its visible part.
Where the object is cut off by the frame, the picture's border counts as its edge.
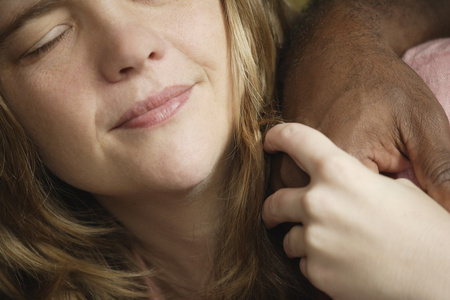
(362, 235)
(158, 173)
(108, 57)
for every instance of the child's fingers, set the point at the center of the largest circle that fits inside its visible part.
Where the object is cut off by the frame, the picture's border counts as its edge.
(283, 206)
(306, 146)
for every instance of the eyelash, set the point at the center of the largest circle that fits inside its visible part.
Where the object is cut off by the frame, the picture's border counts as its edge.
(47, 47)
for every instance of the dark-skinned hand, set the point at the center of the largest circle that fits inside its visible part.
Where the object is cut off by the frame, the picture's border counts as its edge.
(343, 77)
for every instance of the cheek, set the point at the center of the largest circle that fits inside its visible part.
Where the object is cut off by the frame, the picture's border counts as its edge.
(201, 35)
(49, 108)
(45, 97)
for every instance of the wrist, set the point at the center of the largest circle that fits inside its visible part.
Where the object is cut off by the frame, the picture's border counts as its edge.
(407, 23)
(400, 24)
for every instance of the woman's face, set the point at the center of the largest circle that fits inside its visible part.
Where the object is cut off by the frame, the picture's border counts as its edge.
(120, 96)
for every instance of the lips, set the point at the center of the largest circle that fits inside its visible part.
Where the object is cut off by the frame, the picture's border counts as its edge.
(155, 109)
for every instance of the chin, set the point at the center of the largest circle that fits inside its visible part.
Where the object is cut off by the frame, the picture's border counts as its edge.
(190, 178)
(174, 175)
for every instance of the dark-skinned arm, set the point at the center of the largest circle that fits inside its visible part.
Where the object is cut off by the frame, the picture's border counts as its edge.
(343, 75)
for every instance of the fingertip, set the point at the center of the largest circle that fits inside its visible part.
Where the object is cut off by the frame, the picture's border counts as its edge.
(307, 147)
(267, 213)
(293, 243)
(303, 267)
(271, 138)
(287, 246)
(281, 134)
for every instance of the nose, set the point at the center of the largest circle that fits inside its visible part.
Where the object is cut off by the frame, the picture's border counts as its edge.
(127, 47)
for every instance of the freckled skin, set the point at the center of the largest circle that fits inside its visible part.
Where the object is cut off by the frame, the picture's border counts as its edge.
(70, 97)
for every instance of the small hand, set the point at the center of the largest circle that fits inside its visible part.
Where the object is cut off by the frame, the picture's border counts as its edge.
(362, 235)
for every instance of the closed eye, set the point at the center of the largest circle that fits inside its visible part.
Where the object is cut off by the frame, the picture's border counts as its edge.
(47, 42)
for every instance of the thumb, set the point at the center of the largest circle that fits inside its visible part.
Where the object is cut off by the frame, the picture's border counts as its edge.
(429, 153)
(432, 169)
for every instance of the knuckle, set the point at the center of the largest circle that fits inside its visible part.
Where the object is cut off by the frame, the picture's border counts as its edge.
(309, 202)
(288, 131)
(312, 238)
(316, 203)
(332, 166)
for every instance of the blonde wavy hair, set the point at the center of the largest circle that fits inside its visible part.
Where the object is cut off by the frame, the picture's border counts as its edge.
(57, 243)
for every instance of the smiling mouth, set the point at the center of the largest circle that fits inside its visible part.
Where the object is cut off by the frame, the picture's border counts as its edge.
(155, 109)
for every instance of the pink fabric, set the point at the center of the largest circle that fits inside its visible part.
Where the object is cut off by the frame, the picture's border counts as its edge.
(431, 61)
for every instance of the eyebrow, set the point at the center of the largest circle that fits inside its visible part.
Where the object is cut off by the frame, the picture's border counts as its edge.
(38, 9)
